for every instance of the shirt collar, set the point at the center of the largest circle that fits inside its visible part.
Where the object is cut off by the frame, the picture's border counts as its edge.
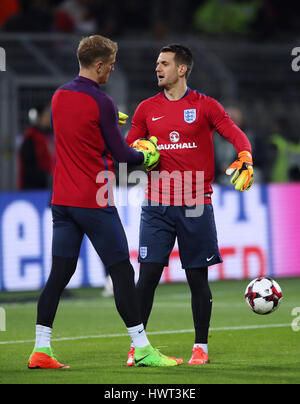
(87, 81)
(186, 93)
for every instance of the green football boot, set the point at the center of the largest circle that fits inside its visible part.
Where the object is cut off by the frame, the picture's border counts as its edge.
(151, 357)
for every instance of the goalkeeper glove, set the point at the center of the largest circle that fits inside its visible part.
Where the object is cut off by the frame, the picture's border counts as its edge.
(122, 118)
(243, 171)
(149, 148)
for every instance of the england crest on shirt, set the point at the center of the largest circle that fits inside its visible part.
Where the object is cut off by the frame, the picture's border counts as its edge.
(143, 252)
(190, 115)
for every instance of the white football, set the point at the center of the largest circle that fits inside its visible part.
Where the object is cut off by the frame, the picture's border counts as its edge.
(263, 295)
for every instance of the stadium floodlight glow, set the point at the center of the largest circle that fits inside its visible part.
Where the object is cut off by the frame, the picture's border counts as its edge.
(2, 319)
(2, 60)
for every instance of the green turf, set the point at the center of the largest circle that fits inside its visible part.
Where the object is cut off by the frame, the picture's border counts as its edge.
(243, 347)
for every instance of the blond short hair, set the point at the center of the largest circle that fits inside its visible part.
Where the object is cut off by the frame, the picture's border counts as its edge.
(93, 48)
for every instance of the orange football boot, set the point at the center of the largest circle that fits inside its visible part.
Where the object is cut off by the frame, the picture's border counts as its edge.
(130, 359)
(199, 357)
(40, 360)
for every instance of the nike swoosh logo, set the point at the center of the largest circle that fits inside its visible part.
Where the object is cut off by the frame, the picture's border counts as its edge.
(155, 119)
(136, 361)
(140, 331)
(209, 259)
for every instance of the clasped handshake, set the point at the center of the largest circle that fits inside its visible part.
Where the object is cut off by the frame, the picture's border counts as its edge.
(241, 169)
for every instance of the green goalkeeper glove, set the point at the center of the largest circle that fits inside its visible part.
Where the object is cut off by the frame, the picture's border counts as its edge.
(149, 148)
(122, 118)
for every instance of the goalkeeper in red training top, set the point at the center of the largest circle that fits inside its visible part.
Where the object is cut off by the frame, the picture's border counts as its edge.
(183, 121)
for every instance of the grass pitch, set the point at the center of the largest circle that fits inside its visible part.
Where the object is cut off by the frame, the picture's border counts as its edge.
(90, 337)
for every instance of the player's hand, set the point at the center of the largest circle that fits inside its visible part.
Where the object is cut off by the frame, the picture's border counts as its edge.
(122, 118)
(149, 148)
(242, 170)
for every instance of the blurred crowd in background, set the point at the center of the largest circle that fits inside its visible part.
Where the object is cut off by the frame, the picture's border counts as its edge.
(261, 19)
(276, 155)
(276, 148)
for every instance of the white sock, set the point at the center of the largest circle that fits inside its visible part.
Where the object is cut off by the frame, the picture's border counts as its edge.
(203, 346)
(42, 336)
(138, 336)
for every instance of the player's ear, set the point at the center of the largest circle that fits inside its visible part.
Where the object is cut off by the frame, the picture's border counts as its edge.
(182, 70)
(98, 65)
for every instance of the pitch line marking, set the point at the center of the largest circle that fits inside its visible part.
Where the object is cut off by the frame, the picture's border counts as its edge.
(234, 328)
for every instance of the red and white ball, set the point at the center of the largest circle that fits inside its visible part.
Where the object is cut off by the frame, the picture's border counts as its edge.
(263, 295)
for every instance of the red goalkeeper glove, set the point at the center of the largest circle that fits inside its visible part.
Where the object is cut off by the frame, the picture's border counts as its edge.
(242, 170)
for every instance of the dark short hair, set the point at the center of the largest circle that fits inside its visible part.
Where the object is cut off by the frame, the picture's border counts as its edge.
(183, 56)
(95, 47)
